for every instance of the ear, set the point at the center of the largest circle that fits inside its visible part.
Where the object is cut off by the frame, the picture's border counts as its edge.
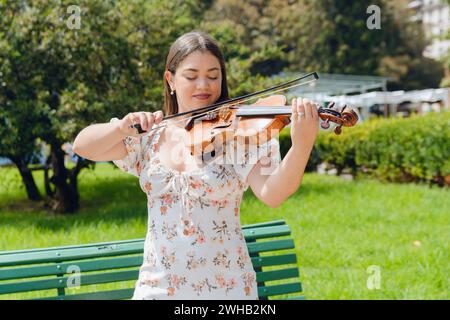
(168, 77)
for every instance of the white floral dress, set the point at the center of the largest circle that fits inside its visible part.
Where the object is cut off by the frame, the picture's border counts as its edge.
(194, 248)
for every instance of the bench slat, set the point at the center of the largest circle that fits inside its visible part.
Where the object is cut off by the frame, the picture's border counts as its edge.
(278, 289)
(264, 224)
(266, 232)
(72, 254)
(274, 260)
(271, 275)
(59, 248)
(102, 295)
(61, 268)
(61, 282)
(295, 298)
(272, 245)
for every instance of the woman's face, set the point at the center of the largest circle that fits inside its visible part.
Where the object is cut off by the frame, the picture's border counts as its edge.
(197, 81)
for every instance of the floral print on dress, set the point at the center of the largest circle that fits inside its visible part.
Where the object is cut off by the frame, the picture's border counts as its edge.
(167, 259)
(242, 257)
(222, 259)
(194, 247)
(203, 284)
(152, 233)
(150, 259)
(249, 279)
(227, 285)
(151, 282)
(221, 232)
(169, 231)
(193, 262)
(175, 282)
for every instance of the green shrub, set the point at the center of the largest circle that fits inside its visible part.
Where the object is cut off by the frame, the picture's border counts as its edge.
(396, 149)
(411, 149)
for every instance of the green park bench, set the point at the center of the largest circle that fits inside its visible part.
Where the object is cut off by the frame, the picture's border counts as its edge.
(22, 271)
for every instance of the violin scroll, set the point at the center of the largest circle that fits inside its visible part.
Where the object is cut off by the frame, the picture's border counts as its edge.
(346, 117)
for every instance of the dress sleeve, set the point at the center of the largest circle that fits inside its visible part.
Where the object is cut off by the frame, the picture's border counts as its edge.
(133, 161)
(267, 153)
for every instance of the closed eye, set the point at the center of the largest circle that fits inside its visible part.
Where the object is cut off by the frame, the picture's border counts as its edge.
(211, 78)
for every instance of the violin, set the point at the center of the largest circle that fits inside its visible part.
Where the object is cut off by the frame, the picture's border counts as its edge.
(210, 128)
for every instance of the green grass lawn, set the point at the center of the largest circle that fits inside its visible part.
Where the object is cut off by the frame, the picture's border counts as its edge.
(341, 229)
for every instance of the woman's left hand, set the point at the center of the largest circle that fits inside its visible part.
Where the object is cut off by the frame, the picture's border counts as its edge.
(304, 123)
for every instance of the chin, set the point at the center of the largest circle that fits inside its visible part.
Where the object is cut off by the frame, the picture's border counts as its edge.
(198, 104)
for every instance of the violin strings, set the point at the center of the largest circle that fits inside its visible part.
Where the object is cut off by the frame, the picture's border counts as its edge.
(229, 105)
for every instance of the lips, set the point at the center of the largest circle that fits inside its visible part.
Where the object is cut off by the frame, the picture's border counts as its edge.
(203, 96)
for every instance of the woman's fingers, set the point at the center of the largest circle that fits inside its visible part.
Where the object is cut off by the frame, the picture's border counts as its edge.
(134, 119)
(158, 115)
(300, 108)
(304, 108)
(145, 119)
(315, 112)
(308, 109)
(294, 110)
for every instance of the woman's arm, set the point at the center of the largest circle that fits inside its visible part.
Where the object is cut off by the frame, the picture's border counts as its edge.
(275, 188)
(102, 141)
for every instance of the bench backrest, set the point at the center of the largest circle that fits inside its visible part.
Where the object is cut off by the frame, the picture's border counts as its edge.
(109, 270)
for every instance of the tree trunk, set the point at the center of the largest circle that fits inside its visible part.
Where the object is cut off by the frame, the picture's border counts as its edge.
(28, 180)
(66, 198)
(48, 189)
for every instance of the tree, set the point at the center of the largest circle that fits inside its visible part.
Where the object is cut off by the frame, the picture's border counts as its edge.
(56, 80)
(326, 36)
(18, 145)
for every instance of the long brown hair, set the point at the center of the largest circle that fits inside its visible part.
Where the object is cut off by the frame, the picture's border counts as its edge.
(180, 49)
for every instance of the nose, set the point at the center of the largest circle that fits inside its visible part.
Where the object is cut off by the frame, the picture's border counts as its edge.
(202, 83)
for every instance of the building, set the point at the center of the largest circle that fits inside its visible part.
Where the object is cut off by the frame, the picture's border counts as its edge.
(434, 15)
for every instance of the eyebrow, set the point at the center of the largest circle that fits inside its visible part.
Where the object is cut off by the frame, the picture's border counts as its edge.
(195, 70)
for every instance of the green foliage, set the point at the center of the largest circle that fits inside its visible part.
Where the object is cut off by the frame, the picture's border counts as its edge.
(70, 78)
(412, 149)
(324, 35)
(57, 78)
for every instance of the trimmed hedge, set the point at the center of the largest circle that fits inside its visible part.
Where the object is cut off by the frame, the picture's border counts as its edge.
(397, 149)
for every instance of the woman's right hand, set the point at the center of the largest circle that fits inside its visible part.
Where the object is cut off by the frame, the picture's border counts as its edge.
(145, 119)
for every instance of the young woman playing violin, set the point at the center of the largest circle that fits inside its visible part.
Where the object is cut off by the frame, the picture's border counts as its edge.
(194, 248)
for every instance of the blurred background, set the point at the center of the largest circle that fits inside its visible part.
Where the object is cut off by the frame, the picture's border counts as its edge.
(375, 195)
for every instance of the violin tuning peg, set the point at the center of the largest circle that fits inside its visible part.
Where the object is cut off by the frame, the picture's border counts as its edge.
(325, 124)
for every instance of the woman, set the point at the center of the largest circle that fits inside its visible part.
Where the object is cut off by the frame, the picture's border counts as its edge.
(194, 248)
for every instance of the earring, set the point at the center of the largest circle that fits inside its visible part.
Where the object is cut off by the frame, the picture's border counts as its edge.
(172, 92)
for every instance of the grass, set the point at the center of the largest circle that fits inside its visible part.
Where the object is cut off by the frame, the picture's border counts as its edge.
(341, 229)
